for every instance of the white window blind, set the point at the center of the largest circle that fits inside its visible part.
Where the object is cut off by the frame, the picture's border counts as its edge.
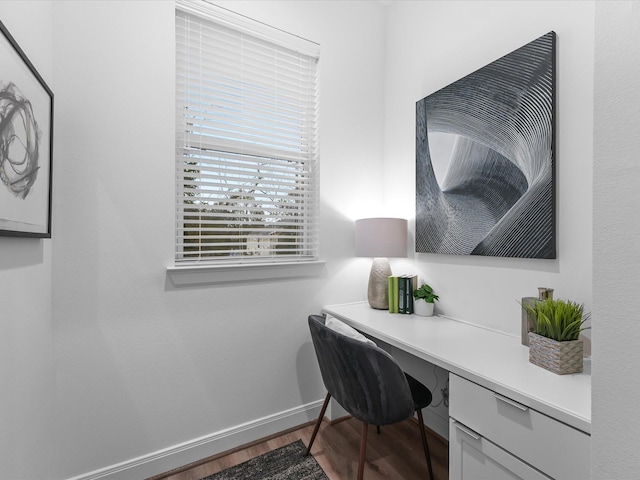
(246, 140)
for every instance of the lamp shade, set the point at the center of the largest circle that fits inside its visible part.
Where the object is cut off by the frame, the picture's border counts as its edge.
(381, 237)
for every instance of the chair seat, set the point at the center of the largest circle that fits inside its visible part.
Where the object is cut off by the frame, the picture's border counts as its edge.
(421, 395)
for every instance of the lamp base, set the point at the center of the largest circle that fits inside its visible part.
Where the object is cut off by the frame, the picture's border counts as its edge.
(378, 291)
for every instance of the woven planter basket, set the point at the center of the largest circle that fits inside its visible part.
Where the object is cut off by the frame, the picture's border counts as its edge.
(558, 357)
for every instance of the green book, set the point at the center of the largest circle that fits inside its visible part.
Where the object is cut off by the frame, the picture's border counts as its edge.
(390, 293)
(393, 294)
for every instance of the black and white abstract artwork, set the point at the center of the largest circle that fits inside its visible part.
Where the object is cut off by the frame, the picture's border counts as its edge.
(485, 161)
(26, 115)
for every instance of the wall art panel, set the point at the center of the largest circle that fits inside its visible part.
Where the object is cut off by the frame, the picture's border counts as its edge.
(485, 159)
(26, 141)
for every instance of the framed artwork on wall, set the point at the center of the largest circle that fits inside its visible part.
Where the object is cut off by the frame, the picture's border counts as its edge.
(26, 144)
(485, 159)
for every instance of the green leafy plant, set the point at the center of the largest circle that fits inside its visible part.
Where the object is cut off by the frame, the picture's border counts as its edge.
(426, 293)
(559, 320)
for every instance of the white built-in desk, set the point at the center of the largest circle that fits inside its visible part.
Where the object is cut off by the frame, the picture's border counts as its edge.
(488, 362)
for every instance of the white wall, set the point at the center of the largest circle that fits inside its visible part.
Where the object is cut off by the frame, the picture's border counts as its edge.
(26, 368)
(432, 44)
(616, 257)
(143, 366)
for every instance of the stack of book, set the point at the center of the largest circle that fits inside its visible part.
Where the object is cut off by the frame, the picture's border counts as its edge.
(401, 289)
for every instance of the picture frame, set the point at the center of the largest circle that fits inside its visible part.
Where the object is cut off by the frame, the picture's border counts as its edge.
(486, 159)
(26, 144)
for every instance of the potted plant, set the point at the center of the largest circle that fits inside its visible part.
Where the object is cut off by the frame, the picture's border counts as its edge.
(424, 300)
(554, 343)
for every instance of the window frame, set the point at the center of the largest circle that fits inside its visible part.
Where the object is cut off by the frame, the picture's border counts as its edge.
(275, 266)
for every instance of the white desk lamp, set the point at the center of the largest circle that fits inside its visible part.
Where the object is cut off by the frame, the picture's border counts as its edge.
(380, 238)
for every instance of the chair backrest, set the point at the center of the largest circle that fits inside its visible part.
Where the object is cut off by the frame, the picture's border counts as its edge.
(363, 378)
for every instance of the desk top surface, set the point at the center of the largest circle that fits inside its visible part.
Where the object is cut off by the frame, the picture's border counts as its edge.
(495, 360)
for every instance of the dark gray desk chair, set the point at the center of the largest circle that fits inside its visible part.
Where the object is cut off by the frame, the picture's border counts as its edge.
(368, 383)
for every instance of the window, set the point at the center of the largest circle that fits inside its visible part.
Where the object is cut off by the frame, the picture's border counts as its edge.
(246, 140)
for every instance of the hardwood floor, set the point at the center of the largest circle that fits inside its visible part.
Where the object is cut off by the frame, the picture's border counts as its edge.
(394, 454)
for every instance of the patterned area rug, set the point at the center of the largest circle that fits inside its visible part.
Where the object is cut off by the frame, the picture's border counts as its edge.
(285, 463)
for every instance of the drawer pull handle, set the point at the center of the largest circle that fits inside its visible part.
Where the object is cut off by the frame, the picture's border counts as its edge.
(467, 430)
(513, 403)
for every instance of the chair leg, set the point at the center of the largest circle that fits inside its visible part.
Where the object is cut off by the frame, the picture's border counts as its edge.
(425, 445)
(363, 449)
(318, 422)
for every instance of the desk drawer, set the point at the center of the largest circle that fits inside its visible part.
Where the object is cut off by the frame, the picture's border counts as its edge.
(472, 457)
(553, 447)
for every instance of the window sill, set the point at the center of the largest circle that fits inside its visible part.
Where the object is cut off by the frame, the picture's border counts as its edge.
(215, 274)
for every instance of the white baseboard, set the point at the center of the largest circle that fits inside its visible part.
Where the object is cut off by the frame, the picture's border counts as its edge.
(185, 453)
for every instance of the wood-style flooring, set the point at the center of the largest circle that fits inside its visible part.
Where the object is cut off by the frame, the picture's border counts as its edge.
(394, 454)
